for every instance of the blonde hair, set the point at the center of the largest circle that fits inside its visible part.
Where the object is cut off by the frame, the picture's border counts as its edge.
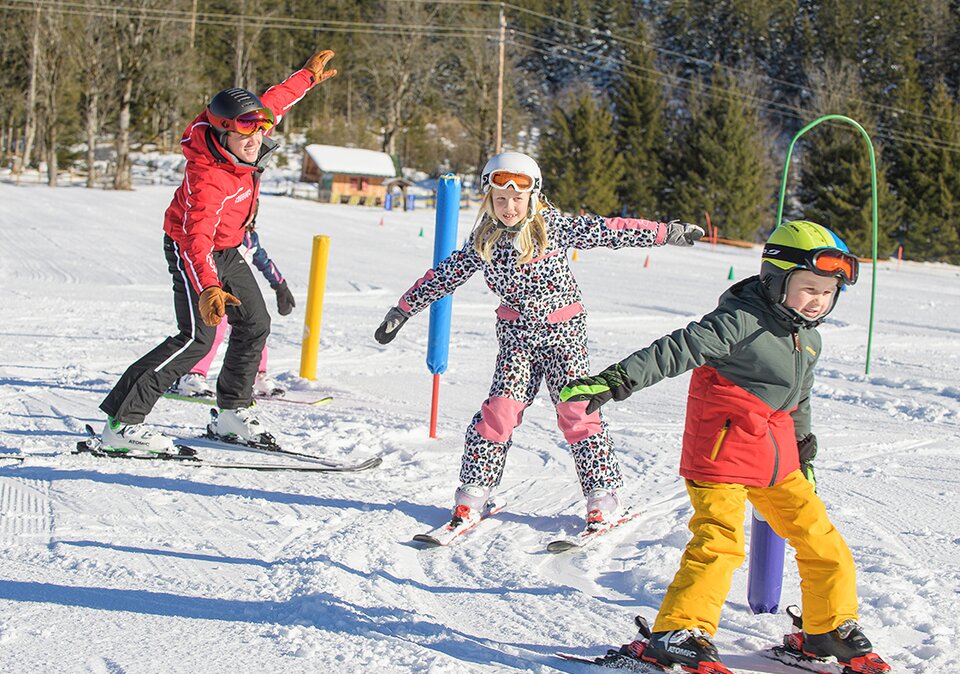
(531, 238)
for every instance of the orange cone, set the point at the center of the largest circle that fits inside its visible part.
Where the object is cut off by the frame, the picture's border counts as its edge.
(646, 263)
(381, 221)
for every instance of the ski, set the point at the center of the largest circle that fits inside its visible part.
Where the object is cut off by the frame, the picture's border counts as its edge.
(799, 661)
(588, 536)
(269, 445)
(209, 400)
(615, 660)
(93, 446)
(445, 534)
(629, 657)
(329, 464)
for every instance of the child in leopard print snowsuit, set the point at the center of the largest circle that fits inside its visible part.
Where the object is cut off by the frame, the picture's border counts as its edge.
(520, 244)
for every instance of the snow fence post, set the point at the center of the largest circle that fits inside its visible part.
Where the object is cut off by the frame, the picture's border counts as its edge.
(444, 240)
(766, 567)
(314, 311)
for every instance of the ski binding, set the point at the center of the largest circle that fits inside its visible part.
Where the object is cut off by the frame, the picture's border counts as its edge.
(447, 533)
(589, 535)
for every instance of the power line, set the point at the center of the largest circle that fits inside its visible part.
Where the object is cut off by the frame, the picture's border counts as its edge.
(687, 84)
(702, 62)
(441, 31)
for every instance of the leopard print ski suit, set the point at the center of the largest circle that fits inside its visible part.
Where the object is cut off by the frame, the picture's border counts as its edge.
(541, 329)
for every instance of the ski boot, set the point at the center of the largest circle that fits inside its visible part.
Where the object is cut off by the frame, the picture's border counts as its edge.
(124, 438)
(847, 643)
(239, 426)
(266, 387)
(692, 649)
(603, 509)
(470, 502)
(192, 385)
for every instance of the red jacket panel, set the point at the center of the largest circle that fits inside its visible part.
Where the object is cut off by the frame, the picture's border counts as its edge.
(732, 436)
(218, 194)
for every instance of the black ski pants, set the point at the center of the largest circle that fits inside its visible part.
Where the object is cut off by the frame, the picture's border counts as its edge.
(147, 380)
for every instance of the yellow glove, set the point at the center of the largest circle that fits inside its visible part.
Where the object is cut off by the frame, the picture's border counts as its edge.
(213, 305)
(316, 63)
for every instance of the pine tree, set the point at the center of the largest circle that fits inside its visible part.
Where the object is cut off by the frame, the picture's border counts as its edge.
(639, 106)
(926, 176)
(579, 157)
(724, 166)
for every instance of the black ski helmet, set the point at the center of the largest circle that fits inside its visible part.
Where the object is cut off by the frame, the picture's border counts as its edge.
(229, 104)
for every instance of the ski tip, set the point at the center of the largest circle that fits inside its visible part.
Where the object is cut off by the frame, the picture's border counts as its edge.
(372, 462)
(561, 546)
(428, 540)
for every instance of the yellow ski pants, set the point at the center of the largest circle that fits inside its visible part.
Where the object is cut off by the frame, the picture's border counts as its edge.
(828, 582)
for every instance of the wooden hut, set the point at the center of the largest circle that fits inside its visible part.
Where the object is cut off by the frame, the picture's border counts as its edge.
(347, 175)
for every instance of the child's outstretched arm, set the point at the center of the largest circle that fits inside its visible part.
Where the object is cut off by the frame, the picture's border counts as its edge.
(452, 272)
(593, 231)
(713, 336)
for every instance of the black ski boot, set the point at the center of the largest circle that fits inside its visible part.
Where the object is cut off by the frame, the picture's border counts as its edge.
(844, 643)
(847, 643)
(692, 649)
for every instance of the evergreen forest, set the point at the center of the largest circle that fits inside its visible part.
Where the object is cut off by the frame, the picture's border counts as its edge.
(664, 110)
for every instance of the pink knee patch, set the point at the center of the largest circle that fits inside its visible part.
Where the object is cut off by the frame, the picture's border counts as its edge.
(499, 416)
(575, 423)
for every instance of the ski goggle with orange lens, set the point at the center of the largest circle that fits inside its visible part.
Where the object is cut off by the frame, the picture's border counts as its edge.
(246, 124)
(821, 261)
(521, 182)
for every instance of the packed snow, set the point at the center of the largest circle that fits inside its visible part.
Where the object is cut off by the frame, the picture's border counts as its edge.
(121, 566)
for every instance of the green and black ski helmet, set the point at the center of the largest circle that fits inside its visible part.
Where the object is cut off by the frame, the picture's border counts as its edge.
(801, 244)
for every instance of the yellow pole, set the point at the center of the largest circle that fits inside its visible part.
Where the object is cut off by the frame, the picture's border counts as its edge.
(314, 312)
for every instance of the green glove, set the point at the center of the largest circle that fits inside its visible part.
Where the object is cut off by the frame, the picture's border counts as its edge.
(611, 384)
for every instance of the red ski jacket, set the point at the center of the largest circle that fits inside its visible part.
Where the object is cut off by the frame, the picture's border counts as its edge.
(219, 194)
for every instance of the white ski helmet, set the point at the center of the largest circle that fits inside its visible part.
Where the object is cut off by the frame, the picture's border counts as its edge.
(512, 167)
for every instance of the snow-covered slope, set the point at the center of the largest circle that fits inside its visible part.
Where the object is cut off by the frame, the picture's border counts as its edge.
(110, 566)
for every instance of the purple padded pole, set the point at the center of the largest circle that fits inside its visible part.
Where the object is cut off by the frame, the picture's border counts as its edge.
(766, 567)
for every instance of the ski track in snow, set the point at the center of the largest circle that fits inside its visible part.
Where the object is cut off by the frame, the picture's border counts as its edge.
(215, 570)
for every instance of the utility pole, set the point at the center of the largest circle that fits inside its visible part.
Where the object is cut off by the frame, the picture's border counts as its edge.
(193, 26)
(503, 30)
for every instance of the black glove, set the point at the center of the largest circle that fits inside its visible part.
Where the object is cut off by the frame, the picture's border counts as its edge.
(683, 234)
(611, 384)
(807, 446)
(391, 325)
(285, 301)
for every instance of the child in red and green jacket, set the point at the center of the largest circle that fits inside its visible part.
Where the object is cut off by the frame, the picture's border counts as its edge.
(747, 436)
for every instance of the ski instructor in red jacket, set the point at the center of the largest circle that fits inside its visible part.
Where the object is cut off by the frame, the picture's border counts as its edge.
(227, 147)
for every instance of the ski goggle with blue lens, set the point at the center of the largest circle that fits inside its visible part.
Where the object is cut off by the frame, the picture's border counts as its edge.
(820, 261)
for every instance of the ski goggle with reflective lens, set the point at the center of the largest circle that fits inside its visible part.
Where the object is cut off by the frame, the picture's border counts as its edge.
(821, 261)
(521, 182)
(245, 124)
(250, 122)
